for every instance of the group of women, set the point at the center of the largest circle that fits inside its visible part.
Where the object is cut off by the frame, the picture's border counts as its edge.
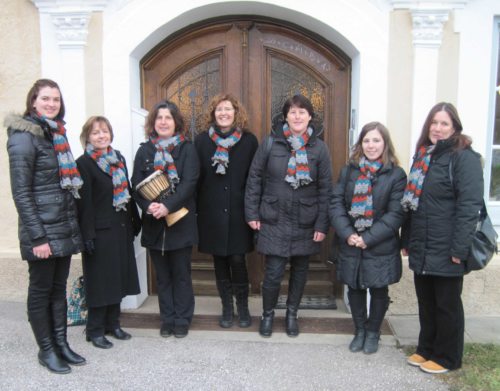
(230, 190)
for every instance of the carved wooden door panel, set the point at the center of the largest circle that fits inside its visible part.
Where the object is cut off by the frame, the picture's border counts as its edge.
(262, 63)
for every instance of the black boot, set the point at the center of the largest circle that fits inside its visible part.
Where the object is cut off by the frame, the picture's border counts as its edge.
(296, 285)
(269, 300)
(59, 329)
(226, 296)
(241, 293)
(47, 356)
(291, 324)
(378, 308)
(357, 302)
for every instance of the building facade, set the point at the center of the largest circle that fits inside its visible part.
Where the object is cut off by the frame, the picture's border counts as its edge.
(358, 61)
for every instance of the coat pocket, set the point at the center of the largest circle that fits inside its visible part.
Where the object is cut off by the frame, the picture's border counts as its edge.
(269, 209)
(308, 212)
(49, 207)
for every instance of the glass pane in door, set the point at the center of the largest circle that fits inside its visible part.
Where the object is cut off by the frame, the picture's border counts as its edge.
(288, 80)
(193, 89)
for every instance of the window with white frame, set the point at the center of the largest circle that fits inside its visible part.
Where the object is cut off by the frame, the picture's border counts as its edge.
(495, 156)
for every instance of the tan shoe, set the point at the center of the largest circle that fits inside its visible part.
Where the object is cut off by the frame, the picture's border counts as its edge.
(416, 360)
(433, 367)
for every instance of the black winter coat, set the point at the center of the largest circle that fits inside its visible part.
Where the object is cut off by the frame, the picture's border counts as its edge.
(221, 218)
(47, 213)
(444, 223)
(111, 271)
(380, 263)
(155, 233)
(288, 216)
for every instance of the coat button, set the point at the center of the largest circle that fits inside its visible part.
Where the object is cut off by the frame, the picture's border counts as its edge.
(225, 210)
(225, 187)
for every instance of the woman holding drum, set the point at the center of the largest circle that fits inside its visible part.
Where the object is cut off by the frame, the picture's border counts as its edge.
(226, 150)
(169, 242)
(109, 220)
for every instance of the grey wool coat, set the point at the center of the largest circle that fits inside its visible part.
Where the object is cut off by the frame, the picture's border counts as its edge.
(47, 213)
(289, 217)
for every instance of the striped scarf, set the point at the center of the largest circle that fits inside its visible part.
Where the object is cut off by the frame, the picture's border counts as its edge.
(297, 173)
(362, 199)
(70, 178)
(111, 165)
(224, 144)
(416, 178)
(163, 160)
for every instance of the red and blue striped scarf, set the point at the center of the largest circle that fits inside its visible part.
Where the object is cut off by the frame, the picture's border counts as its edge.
(362, 199)
(224, 144)
(163, 160)
(297, 173)
(416, 178)
(111, 165)
(69, 175)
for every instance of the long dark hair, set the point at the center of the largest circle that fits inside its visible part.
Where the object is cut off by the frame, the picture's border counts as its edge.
(33, 94)
(149, 126)
(388, 154)
(461, 141)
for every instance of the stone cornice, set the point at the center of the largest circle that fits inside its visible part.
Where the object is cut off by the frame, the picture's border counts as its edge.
(71, 28)
(54, 6)
(70, 18)
(428, 27)
(428, 18)
(429, 4)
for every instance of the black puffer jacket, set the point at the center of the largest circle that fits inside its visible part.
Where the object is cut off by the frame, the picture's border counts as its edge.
(288, 216)
(445, 221)
(155, 233)
(47, 213)
(380, 263)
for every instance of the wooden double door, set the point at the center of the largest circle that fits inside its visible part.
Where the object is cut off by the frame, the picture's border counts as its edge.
(262, 62)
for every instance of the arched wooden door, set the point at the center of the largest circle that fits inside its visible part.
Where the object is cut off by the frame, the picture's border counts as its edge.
(263, 63)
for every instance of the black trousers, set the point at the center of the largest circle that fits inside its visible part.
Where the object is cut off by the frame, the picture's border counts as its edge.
(441, 316)
(379, 303)
(275, 270)
(232, 268)
(175, 287)
(102, 319)
(47, 284)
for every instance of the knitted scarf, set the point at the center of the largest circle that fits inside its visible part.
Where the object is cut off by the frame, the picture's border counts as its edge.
(298, 169)
(163, 160)
(70, 178)
(224, 144)
(416, 178)
(111, 165)
(362, 200)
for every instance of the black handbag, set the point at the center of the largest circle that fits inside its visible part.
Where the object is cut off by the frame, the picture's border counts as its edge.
(484, 243)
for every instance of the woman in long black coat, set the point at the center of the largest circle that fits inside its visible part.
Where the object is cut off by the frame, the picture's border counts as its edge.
(44, 181)
(366, 212)
(444, 196)
(109, 220)
(226, 151)
(170, 247)
(286, 201)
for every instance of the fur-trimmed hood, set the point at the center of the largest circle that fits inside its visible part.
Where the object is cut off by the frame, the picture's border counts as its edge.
(17, 123)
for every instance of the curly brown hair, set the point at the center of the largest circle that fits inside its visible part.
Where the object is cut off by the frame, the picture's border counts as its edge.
(240, 114)
(388, 155)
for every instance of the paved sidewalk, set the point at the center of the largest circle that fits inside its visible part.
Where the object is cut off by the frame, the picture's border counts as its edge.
(215, 360)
